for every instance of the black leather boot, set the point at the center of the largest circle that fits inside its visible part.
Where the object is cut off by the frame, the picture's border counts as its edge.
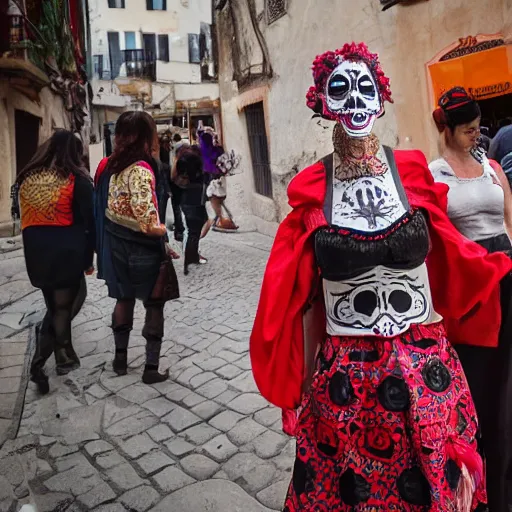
(120, 364)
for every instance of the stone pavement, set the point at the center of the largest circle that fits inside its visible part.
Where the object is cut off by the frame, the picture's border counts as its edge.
(203, 441)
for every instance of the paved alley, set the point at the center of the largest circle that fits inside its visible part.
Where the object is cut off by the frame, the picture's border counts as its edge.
(203, 441)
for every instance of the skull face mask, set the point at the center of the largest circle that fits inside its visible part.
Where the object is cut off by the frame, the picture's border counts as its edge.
(350, 87)
(353, 97)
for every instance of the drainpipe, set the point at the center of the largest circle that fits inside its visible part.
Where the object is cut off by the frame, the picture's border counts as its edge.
(88, 48)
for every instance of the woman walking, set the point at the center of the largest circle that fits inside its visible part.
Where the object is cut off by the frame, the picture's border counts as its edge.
(133, 257)
(479, 204)
(214, 157)
(57, 221)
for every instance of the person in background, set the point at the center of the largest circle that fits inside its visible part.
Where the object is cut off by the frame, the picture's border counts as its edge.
(165, 150)
(57, 221)
(501, 150)
(188, 176)
(216, 177)
(133, 257)
(176, 193)
(480, 207)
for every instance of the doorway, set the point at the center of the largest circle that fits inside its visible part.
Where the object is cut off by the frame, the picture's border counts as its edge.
(26, 127)
(496, 112)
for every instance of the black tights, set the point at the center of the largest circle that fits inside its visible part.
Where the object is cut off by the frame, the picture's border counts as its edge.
(54, 333)
(153, 330)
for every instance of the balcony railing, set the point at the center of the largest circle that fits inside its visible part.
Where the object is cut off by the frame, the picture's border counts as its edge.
(140, 64)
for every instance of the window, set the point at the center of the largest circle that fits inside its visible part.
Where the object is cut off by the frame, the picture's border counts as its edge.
(116, 4)
(275, 9)
(114, 50)
(163, 47)
(98, 66)
(194, 55)
(255, 117)
(149, 46)
(130, 41)
(156, 5)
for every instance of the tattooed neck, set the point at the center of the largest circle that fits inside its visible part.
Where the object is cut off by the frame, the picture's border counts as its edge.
(355, 158)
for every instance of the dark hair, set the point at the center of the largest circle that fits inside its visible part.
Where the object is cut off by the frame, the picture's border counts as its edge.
(189, 163)
(176, 137)
(135, 138)
(63, 152)
(456, 107)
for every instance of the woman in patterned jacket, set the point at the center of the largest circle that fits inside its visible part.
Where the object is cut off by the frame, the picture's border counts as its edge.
(57, 221)
(133, 257)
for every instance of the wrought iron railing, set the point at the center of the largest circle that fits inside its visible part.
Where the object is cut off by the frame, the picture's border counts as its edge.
(140, 64)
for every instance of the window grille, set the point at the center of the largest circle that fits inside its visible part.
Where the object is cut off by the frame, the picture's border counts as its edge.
(256, 130)
(275, 9)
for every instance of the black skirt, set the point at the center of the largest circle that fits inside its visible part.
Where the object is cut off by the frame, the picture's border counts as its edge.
(489, 375)
(136, 260)
(56, 256)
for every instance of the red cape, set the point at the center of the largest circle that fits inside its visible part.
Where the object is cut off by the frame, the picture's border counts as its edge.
(464, 278)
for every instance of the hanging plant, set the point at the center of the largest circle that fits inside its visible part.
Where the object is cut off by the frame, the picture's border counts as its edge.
(50, 44)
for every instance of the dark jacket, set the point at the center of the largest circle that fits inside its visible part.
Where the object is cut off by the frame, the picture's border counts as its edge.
(57, 255)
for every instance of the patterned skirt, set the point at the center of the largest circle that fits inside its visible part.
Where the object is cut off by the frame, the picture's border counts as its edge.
(388, 424)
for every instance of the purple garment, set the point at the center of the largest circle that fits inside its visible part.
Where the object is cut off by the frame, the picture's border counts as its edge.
(210, 153)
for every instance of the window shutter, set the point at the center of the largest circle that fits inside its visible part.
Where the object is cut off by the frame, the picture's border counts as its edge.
(163, 47)
(149, 5)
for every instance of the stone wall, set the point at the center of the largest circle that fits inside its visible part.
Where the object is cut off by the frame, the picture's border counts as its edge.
(406, 37)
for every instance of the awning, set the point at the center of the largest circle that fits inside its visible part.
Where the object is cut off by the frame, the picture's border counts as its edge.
(484, 74)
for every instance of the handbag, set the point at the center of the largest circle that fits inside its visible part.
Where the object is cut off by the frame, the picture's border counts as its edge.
(166, 285)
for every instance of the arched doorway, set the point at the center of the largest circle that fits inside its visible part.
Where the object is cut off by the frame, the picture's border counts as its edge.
(483, 65)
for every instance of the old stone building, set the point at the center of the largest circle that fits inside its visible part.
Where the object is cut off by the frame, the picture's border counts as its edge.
(266, 48)
(152, 55)
(42, 84)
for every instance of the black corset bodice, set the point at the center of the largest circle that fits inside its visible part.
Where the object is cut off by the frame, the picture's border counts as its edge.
(341, 254)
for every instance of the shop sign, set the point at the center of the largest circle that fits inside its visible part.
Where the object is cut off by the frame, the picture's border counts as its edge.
(490, 90)
(469, 45)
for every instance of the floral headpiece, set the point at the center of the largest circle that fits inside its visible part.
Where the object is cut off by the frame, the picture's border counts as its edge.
(324, 65)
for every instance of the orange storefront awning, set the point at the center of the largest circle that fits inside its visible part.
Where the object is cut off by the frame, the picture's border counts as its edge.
(484, 74)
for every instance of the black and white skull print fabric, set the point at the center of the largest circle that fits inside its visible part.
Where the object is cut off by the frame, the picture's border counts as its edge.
(381, 302)
(352, 94)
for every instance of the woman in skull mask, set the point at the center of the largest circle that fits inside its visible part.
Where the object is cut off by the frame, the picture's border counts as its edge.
(347, 336)
(480, 207)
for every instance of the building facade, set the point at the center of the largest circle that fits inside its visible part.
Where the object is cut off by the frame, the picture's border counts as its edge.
(152, 55)
(42, 86)
(266, 48)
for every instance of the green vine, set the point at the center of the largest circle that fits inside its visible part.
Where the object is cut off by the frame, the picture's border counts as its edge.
(51, 46)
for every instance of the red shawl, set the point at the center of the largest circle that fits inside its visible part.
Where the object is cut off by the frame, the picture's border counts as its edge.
(464, 278)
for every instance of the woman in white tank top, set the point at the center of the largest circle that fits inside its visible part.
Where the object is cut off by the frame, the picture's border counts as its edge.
(480, 207)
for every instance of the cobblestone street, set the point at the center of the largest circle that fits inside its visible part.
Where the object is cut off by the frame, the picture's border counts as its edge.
(203, 441)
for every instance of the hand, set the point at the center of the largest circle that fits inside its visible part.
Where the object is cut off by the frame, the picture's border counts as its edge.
(90, 271)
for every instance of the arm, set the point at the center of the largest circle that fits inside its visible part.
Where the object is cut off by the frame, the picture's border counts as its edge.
(143, 201)
(505, 185)
(83, 206)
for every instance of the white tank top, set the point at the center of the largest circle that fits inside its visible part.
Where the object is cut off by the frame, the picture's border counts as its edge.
(476, 206)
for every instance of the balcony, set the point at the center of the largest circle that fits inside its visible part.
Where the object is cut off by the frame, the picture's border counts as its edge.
(140, 64)
(16, 64)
